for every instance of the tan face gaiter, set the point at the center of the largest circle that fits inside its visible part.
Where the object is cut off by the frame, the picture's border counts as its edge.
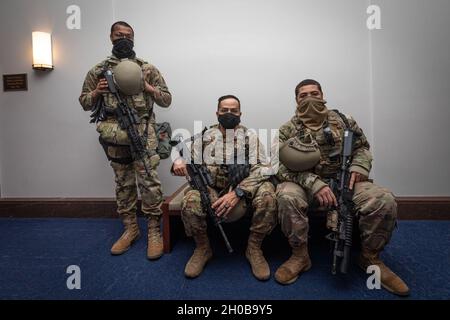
(312, 112)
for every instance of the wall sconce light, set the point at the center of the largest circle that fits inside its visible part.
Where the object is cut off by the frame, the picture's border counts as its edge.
(42, 51)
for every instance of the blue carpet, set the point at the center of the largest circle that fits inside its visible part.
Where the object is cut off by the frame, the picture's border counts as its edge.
(36, 252)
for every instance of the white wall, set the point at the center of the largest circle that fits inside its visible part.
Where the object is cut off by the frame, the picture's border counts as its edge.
(1, 125)
(49, 149)
(411, 69)
(253, 49)
(258, 50)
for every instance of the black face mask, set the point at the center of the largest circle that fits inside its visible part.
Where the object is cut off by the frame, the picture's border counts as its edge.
(229, 120)
(123, 48)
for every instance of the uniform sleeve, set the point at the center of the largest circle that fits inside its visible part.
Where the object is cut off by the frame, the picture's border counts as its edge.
(89, 85)
(362, 157)
(164, 98)
(307, 180)
(191, 154)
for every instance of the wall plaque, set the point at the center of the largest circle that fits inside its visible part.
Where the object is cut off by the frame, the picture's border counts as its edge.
(15, 82)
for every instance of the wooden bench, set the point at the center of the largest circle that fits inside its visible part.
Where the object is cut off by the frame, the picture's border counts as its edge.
(171, 207)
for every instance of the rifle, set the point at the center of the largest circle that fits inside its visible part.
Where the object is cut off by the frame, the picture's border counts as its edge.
(98, 111)
(342, 235)
(200, 179)
(128, 119)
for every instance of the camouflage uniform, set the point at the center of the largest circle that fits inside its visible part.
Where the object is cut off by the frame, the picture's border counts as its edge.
(260, 191)
(126, 174)
(375, 205)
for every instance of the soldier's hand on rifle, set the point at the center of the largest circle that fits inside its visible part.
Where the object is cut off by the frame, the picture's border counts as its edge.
(356, 177)
(179, 167)
(326, 197)
(102, 87)
(225, 204)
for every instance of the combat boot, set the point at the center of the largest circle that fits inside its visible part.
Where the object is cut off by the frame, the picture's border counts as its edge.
(299, 262)
(155, 243)
(130, 235)
(389, 280)
(202, 254)
(254, 254)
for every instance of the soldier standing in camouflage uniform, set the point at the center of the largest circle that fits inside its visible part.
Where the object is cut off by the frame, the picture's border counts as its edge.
(126, 171)
(254, 189)
(375, 206)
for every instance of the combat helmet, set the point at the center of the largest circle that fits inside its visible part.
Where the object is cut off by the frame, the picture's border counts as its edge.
(128, 77)
(300, 153)
(237, 212)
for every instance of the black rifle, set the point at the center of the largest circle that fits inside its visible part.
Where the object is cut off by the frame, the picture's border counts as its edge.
(128, 120)
(98, 111)
(236, 171)
(200, 179)
(342, 237)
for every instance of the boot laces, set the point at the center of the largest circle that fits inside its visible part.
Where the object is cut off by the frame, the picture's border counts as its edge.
(257, 255)
(154, 235)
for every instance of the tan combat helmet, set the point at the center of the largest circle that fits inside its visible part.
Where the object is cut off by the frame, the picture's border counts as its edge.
(300, 154)
(237, 212)
(128, 77)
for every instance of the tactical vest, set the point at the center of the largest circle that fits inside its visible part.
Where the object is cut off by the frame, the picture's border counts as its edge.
(226, 174)
(113, 139)
(143, 103)
(330, 144)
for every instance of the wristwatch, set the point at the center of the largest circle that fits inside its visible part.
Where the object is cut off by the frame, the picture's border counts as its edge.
(239, 192)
